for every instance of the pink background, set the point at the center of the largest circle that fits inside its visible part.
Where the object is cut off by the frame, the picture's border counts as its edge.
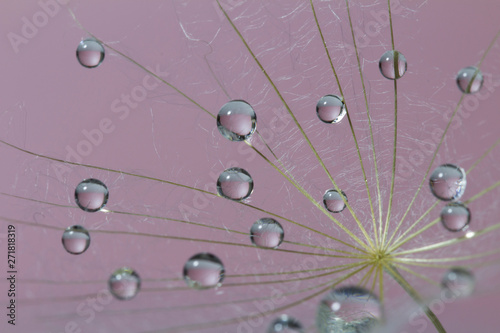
(48, 102)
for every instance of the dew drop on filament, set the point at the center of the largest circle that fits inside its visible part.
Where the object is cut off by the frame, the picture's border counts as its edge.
(90, 53)
(91, 195)
(448, 182)
(458, 282)
(392, 65)
(455, 216)
(285, 324)
(267, 233)
(203, 271)
(470, 80)
(124, 283)
(236, 120)
(330, 109)
(333, 201)
(235, 184)
(349, 309)
(76, 239)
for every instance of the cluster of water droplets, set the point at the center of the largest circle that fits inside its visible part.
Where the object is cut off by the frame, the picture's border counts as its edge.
(345, 309)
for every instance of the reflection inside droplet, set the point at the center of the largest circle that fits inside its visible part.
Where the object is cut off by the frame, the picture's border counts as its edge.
(348, 310)
(334, 201)
(76, 239)
(458, 282)
(267, 232)
(392, 65)
(455, 216)
(236, 120)
(90, 53)
(330, 109)
(235, 184)
(448, 182)
(91, 195)
(124, 283)
(470, 80)
(203, 270)
(285, 324)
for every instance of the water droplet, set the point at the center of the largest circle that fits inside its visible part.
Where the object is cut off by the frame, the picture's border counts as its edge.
(388, 63)
(458, 282)
(267, 232)
(124, 283)
(348, 309)
(330, 109)
(236, 120)
(91, 195)
(333, 201)
(203, 270)
(76, 239)
(90, 53)
(465, 80)
(285, 324)
(455, 216)
(235, 184)
(448, 182)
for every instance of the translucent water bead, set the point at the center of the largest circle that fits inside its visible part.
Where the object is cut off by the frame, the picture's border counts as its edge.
(76, 239)
(90, 53)
(124, 283)
(455, 216)
(349, 309)
(267, 232)
(392, 65)
(235, 184)
(203, 270)
(236, 120)
(91, 195)
(470, 80)
(458, 282)
(330, 109)
(285, 324)
(448, 182)
(334, 201)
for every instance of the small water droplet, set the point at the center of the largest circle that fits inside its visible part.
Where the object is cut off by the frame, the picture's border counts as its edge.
(349, 310)
(392, 65)
(235, 184)
(455, 216)
(458, 282)
(448, 182)
(267, 232)
(76, 239)
(285, 324)
(203, 270)
(465, 80)
(330, 109)
(333, 201)
(236, 120)
(90, 53)
(124, 283)
(91, 195)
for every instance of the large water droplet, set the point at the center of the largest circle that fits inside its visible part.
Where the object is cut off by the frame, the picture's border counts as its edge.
(235, 184)
(267, 232)
(91, 195)
(333, 201)
(470, 80)
(285, 324)
(124, 283)
(330, 109)
(76, 239)
(455, 216)
(458, 282)
(203, 270)
(392, 65)
(348, 310)
(448, 182)
(90, 53)
(236, 120)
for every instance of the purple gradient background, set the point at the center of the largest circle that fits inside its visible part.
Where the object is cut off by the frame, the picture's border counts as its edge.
(47, 100)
